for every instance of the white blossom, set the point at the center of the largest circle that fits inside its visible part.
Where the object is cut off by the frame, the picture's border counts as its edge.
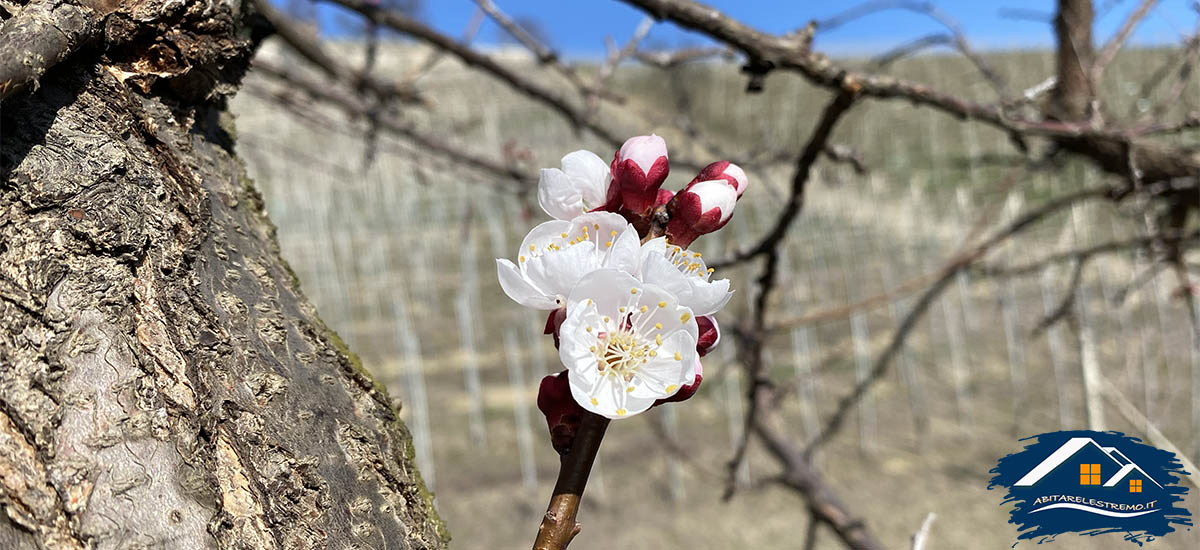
(556, 254)
(626, 343)
(583, 184)
(684, 274)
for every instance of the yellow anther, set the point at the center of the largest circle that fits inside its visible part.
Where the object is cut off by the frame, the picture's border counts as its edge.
(684, 318)
(658, 326)
(608, 244)
(522, 259)
(593, 349)
(633, 291)
(658, 339)
(613, 233)
(662, 304)
(678, 357)
(621, 412)
(606, 319)
(596, 226)
(629, 389)
(696, 255)
(643, 309)
(564, 235)
(653, 353)
(589, 301)
(621, 309)
(710, 270)
(672, 388)
(589, 329)
(594, 401)
(531, 249)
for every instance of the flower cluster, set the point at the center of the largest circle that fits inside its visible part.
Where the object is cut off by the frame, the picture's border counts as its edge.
(630, 307)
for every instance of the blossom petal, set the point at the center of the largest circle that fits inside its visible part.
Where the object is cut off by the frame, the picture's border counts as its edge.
(558, 195)
(590, 175)
(559, 271)
(708, 297)
(663, 375)
(519, 289)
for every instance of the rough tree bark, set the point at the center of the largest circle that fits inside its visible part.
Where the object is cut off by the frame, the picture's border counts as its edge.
(163, 381)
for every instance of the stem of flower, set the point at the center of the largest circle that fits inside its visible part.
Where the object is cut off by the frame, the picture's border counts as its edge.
(559, 526)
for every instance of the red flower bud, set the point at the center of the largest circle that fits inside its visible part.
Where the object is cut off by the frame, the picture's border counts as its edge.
(563, 414)
(724, 170)
(639, 168)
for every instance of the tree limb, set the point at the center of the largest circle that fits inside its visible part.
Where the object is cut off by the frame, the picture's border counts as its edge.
(40, 36)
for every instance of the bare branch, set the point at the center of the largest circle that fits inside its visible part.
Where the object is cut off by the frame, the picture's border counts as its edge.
(311, 49)
(40, 36)
(670, 59)
(1110, 49)
(1110, 149)
(823, 503)
(354, 106)
(816, 145)
(948, 272)
(957, 38)
(402, 23)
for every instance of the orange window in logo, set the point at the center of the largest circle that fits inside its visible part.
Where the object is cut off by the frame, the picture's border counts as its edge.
(1135, 485)
(1089, 474)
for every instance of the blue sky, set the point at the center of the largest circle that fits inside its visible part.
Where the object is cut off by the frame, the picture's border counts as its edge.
(578, 28)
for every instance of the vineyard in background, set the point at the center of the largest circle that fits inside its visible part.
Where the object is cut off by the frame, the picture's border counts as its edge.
(395, 247)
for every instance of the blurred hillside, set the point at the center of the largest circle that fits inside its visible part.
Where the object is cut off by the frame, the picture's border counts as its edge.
(397, 254)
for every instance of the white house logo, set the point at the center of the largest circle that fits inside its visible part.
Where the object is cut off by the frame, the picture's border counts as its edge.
(1092, 483)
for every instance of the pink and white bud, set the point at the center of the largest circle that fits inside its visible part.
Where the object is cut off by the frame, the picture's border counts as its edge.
(700, 208)
(724, 170)
(710, 334)
(639, 168)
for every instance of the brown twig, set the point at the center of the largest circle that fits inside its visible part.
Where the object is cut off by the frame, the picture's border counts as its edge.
(354, 106)
(311, 49)
(948, 272)
(558, 526)
(1114, 44)
(407, 25)
(957, 38)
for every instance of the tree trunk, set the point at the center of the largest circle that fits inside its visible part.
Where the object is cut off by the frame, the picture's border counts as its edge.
(163, 381)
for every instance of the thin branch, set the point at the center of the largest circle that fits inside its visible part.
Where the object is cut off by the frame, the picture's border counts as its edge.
(669, 59)
(311, 49)
(833, 112)
(957, 37)
(823, 503)
(1110, 49)
(906, 49)
(402, 23)
(1108, 148)
(354, 106)
(948, 273)
(543, 54)
(40, 36)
